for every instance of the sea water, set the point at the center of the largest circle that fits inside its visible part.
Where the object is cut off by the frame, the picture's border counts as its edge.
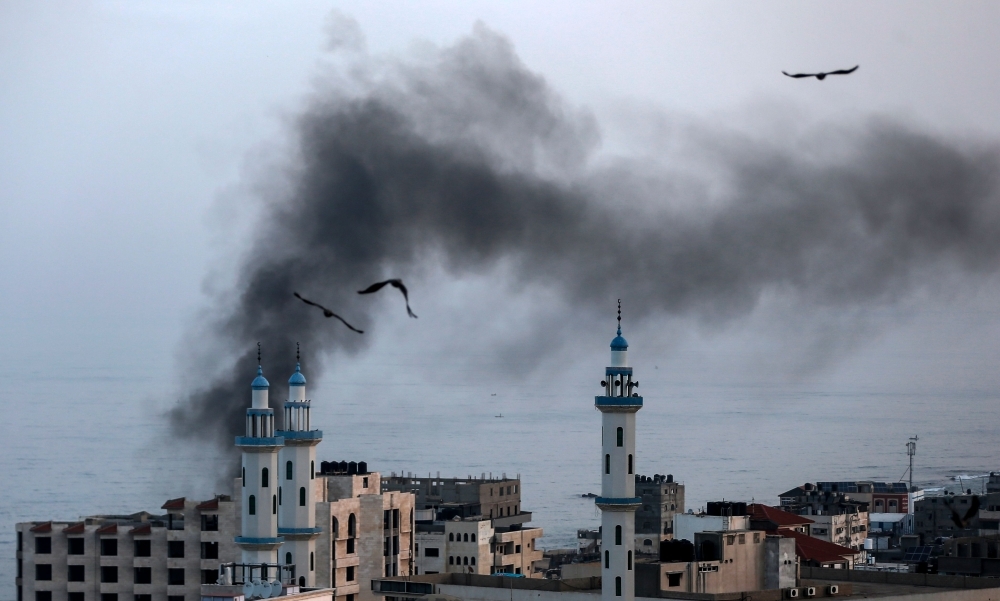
(91, 440)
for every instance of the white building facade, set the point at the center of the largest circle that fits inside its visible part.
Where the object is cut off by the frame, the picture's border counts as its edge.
(618, 502)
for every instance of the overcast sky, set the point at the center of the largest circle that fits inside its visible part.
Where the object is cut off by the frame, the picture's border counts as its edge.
(133, 136)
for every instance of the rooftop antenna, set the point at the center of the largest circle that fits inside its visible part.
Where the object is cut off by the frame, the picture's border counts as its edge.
(297, 352)
(619, 317)
(258, 354)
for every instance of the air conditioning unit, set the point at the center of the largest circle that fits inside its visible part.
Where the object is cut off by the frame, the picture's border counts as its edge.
(792, 593)
(834, 589)
(811, 591)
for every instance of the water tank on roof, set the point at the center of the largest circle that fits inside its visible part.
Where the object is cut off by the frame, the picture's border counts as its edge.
(352, 468)
(670, 477)
(342, 467)
(362, 467)
(324, 466)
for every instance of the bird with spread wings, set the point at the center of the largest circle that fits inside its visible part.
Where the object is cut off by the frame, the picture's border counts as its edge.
(822, 76)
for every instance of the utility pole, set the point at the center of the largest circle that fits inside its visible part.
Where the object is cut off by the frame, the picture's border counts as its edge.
(911, 450)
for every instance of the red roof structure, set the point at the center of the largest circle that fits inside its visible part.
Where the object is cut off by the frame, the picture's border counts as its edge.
(210, 504)
(141, 529)
(818, 552)
(77, 528)
(44, 527)
(109, 529)
(177, 503)
(780, 519)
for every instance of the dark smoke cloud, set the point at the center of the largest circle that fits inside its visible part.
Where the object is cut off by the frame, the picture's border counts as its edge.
(465, 158)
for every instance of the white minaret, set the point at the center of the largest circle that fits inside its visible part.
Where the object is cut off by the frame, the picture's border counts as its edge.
(296, 492)
(618, 502)
(259, 538)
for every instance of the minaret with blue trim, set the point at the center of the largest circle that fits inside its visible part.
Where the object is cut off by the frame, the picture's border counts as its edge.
(618, 502)
(259, 538)
(297, 484)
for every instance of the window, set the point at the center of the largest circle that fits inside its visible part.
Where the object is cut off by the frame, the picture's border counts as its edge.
(451, 560)
(75, 546)
(175, 597)
(607, 464)
(312, 561)
(466, 537)
(517, 548)
(618, 586)
(472, 561)
(263, 478)
(175, 576)
(109, 546)
(76, 596)
(109, 596)
(244, 477)
(143, 598)
(335, 528)
(352, 526)
(279, 495)
(43, 571)
(43, 545)
(508, 490)
(312, 470)
(465, 561)
(618, 535)
(730, 539)
(43, 595)
(607, 559)
(109, 573)
(646, 542)
(175, 548)
(142, 547)
(350, 573)
(743, 539)
(621, 437)
(350, 545)
(302, 496)
(209, 550)
(209, 576)
(364, 484)
(395, 545)
(674, 579)
(252, 505)
(431, 552)
(288, 470)
(209, 522)
(143, 575)
(451, 537)
(274, 504)
(395, 518)
(630, 463)
(288, 559)
(76, 573)
(756, 537)
(630, 560)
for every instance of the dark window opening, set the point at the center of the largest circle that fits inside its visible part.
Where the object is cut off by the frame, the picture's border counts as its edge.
(621, 437)
(209, 522)
(175, 548)
(288, 470)
(43, 571)
(607, 464)
(302, 496)
(43, 545)
(76, 573)
(75, 546)
(209, 576)
(252, 505)
(618, 535)
(109, 573)
(431, 552)
(209, 550)
(175, 576)
(143, 575)
(350, 573)
(618, 586)
(264, 480)
(143, 548)
(109, 546)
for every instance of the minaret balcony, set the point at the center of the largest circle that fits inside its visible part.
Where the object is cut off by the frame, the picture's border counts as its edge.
(618, 503)
(260, 442)
(292, 435)
(618, 403)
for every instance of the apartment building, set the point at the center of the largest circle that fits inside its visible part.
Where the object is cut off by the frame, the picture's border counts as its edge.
(662, 500)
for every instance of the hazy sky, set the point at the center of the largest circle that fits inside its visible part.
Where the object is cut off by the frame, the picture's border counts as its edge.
(137, 139)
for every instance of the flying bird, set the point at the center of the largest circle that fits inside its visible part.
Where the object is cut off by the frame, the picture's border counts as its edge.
(396, 283)
(822, 76)
(327, 312)
(962, 522)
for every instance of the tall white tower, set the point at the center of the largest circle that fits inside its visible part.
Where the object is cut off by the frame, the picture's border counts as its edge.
(618, 502)
(296, 492)
(259, 538)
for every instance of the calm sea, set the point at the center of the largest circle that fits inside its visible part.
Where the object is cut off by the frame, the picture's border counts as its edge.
(92, 441)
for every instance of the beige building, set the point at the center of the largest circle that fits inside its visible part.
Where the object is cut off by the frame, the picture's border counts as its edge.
(662, 501)
(365, 534)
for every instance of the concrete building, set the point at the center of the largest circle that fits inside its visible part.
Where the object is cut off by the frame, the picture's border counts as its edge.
(934, 517)
(881, 497)
(723, 562)
(837, 517)
(334, 529)
(471, 525)
(662, 500)
(810, 550)
(618, 501)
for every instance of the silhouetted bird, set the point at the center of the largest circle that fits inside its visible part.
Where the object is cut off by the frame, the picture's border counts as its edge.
(822, 76)
(963, 522)
(327, 312)
(396, 283)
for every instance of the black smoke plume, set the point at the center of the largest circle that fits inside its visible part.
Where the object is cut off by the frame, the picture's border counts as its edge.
(465, 157)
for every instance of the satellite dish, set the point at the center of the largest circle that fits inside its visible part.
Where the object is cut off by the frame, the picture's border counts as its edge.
(248, 590)
(275, 588)
(264, 589)
(256, 588)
